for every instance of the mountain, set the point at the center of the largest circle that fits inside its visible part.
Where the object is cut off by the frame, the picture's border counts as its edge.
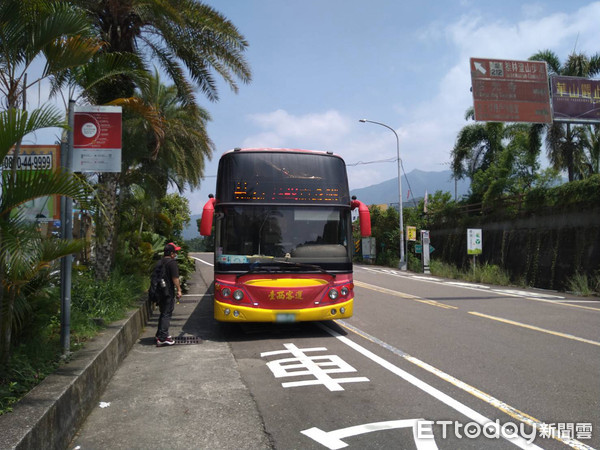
(386, 192)
(191, 231)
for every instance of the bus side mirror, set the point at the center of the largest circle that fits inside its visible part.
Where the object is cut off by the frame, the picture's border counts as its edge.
(364, 217)
(208, 213)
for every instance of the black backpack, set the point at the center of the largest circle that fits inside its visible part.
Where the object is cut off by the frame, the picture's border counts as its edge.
(159, 287)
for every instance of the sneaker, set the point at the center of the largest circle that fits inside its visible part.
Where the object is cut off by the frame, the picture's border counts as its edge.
(168, 341)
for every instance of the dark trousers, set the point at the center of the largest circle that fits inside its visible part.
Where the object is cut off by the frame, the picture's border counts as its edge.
(166, 307)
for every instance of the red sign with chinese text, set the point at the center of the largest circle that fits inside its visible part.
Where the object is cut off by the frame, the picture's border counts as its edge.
(97, 139)
(97, 127)
(510, 91)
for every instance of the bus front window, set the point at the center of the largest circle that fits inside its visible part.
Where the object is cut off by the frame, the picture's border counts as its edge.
(284, 232)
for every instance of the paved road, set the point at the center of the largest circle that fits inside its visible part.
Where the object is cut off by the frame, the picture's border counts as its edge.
(425, 348)
(417, 348)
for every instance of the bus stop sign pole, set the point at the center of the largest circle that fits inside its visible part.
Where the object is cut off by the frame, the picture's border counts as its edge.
(66, 264)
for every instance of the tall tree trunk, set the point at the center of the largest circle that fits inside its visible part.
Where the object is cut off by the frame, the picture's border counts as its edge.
(6, 326)
(106, 225)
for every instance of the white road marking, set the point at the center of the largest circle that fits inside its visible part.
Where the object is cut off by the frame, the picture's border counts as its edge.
(521, 293)
(536, 296)
(512, 412)
(203, 262)
(318, 366)
(436, 393)
(466, 285)
(333, 439)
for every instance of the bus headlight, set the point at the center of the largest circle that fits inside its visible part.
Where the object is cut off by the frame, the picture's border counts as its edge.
(225, 292)
(238, 294)
(344, 291)
(333, 294)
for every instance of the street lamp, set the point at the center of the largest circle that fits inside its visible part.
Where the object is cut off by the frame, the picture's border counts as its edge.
(402, 264)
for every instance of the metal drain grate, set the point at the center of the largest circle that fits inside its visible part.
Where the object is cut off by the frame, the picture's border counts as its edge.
(187, 340)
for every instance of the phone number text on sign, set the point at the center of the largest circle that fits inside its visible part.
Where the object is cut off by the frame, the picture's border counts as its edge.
(31, 162)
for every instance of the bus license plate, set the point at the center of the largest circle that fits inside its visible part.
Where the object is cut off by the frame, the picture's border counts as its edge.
(285, 317)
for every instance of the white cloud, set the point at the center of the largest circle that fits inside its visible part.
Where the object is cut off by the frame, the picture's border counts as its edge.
(285, 129)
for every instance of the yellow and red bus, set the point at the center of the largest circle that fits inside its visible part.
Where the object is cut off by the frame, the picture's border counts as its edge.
(283, 236)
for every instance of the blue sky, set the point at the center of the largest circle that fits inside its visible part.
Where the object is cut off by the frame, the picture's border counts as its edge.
(320, 65)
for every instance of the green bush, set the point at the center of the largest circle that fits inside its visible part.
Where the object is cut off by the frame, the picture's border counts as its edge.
(488, 273)
(106, 300)
(38, 351)
(443, 270)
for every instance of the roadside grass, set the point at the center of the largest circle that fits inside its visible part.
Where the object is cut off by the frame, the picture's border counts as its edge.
(37, 352)
(581, 284)
(480, 273)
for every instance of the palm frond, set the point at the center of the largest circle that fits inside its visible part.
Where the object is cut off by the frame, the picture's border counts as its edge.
(29, 185)
(15, 124)
(551, 58)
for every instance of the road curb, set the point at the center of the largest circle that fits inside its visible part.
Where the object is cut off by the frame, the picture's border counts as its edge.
(49, 415)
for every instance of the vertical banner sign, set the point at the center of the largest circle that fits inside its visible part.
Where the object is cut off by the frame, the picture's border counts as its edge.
(97, 139)
(411, 233)
(575, 99)
(426, 250)
(474, 241)
(510, 91)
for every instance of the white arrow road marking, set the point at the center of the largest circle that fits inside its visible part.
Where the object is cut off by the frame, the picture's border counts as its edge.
(333, 439)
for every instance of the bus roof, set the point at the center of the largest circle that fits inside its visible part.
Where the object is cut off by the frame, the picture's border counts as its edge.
(281, 150)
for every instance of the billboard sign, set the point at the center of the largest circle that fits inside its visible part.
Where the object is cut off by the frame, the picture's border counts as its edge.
(97, 139)
(510, 91)
(37, 157)
(575, 99)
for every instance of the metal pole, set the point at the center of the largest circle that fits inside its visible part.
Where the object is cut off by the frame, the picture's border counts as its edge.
(402, 263)
(66, 263)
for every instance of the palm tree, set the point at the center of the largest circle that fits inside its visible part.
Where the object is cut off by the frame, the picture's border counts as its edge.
(31, 28)
(181, 36)
(23, 252)
(498, 158)
(178, 155)
(589, 137)
(476, 148)
(563, 146)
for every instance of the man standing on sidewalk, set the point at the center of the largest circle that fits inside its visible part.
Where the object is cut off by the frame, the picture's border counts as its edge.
(167, 302)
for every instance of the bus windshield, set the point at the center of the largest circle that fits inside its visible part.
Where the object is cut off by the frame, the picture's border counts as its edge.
(264, 233)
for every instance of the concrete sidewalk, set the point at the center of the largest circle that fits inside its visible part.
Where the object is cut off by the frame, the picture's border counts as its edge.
(189, 395)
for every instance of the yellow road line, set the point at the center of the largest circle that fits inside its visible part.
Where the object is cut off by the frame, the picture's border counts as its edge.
(402, 295)
(385, 290)
(532, 327)
(434, 303)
